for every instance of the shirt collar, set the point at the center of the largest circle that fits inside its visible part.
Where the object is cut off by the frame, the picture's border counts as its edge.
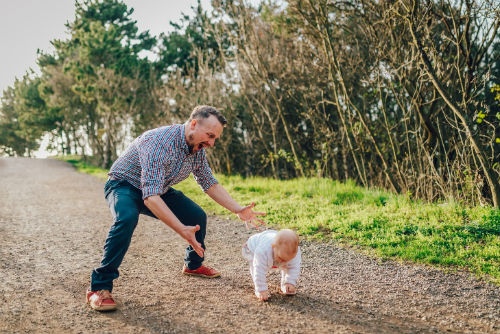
(184, 145)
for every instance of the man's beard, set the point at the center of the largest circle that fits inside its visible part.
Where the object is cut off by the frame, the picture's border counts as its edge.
(191, 146)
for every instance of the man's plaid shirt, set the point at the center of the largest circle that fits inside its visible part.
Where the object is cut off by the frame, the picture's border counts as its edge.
(159, 159)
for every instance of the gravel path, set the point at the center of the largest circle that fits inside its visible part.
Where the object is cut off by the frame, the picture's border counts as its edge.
(53, 222)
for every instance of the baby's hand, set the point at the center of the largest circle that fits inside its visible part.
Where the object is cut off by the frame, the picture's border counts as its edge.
(262, 295)
(289, 289)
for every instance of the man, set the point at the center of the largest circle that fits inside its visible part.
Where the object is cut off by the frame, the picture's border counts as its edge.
(141, 180)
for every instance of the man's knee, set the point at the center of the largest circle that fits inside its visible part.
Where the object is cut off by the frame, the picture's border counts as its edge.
(202, 217)
(126, 220)
(193, 215)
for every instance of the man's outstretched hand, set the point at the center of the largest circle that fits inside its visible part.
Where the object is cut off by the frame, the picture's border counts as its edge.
(249, 216)
(188, 233)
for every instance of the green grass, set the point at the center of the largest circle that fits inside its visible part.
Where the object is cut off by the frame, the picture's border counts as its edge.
(84, 166)
(389, 226)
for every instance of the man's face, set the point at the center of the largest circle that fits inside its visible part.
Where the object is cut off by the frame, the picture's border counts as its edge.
(204, 132)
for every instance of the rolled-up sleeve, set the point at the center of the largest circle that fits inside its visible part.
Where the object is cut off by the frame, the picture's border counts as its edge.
(203, 173)
(153, 167)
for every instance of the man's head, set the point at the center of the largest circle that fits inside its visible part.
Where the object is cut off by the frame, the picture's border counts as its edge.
(203, 127)
(285, 246)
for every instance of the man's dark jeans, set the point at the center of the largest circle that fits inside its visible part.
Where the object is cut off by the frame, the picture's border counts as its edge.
(126, 203)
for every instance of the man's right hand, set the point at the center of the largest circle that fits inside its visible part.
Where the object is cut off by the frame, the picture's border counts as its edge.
(188, 233)
(162, 212)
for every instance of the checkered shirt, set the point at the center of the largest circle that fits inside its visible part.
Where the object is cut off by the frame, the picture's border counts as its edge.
(159, 159)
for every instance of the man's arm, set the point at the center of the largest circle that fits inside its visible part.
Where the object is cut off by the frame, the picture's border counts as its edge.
(162, 212)
(222, 197)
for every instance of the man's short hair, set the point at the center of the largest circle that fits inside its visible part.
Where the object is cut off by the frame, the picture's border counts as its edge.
(203, 112)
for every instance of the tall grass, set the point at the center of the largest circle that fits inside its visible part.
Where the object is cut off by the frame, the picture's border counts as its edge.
(446, 234)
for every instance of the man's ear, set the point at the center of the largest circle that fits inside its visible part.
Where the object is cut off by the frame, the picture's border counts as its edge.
(272, 246)
(192, 125)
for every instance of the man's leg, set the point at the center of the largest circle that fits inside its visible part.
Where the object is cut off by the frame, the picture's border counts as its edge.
(123, 200)
(190, 214)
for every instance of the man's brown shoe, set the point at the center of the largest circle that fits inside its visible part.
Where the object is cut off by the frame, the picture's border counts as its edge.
(202, 271)
(100, 300)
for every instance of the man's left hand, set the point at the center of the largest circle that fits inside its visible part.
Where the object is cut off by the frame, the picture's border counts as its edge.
(249, 216)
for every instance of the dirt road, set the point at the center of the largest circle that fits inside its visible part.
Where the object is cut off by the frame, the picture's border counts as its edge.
(53, 222)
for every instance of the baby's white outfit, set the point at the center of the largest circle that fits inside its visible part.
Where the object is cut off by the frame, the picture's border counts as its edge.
(259, 254)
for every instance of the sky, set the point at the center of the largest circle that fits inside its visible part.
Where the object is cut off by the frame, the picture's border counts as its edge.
(29, 25)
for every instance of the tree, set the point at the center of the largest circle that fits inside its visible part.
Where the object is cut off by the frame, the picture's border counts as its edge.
(468, 22)
(109, 80)
(179, 49)
(23, 117)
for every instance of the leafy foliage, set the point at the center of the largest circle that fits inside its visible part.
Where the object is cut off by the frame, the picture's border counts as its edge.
(399, 95)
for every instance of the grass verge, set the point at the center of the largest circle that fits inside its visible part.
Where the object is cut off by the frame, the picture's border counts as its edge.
(447, 234)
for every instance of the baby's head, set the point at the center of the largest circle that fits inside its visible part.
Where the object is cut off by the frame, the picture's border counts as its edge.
(285, 245)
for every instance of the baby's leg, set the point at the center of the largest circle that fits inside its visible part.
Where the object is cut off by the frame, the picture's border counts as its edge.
(247, 254)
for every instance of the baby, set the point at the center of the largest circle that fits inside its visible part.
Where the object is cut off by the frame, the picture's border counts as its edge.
(273, 249)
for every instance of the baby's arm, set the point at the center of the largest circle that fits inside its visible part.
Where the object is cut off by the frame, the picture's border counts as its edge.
(262, 295)
(259, 276)
(289, 289)
(290, 275)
